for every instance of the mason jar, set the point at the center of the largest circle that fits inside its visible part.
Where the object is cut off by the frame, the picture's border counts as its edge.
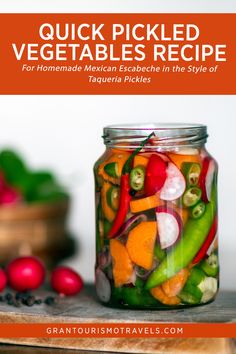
(156, 217)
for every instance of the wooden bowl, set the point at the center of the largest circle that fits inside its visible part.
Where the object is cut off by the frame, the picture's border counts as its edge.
(37, 229)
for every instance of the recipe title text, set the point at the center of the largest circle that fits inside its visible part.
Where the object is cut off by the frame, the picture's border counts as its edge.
(116, 42)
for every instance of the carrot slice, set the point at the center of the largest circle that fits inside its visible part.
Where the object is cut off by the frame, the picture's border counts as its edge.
(140, 244)
(120, 158)
(174, 285)
(122, 265)
(159, 294)
(142, 204)
(107, 210)
(179, 159)
(140, 160)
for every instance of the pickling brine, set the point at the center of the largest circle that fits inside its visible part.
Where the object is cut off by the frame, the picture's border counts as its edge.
(156, 217)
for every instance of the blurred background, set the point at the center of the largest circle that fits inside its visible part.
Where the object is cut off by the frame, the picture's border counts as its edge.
(63, 133)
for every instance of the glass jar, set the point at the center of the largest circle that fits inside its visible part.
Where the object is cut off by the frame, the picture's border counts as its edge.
(156, 217)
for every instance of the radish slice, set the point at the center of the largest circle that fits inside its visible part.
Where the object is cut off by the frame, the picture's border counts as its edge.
(169, 226)
(174, 185)
(206, 178)
(103, 287)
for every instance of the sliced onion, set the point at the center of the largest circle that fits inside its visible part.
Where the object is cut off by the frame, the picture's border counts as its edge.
(104, 258)
(103, 287)
(127, 225)
(132, 279)
(143, 273)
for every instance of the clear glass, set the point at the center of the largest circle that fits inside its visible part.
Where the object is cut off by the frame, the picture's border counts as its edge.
(156, 217)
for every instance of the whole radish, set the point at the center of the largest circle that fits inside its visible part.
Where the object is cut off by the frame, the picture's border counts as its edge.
(25, 273)
(9, 195)
(66, 281)
(3, 280)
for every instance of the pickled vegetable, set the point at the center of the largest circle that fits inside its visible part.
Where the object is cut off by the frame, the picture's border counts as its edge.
(156, 226)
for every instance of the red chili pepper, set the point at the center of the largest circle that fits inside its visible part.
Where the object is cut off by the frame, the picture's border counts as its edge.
(124, 191)
(211, 235)
(123, 205)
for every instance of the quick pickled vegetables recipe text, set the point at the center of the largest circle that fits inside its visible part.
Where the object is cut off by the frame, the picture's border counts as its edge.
(156, 225)
(157, 42)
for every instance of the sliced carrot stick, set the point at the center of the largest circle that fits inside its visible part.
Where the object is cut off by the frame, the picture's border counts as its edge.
(159, 294)
(120, 158)
(142, 204)
(179, 159)
(107, 210)
(122, 265)
(140, 244)
(174, 285)
(140, 160)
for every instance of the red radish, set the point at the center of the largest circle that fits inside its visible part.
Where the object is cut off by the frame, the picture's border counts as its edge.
(3, 280)
(25, 273)
(169, 226)
(103, 287)
(206, 178)
(9, 195)
(66, 281)
(174, 185)
(155, 174)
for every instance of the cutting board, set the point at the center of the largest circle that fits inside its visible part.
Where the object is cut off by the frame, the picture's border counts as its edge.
(85, 308)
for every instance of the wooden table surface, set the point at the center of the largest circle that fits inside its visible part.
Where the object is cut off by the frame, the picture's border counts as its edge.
(85, 308)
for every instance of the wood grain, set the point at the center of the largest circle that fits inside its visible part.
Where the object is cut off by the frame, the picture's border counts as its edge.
(85, 308)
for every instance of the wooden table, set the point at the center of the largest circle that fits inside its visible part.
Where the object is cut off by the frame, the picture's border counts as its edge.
(85, 308)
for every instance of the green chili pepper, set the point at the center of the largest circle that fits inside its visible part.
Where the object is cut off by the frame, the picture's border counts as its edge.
(113, 196)
(134, 297)
(188, 298)
(137, 177)
(196, 276)
(159, 253)
(198, 210)
(111, 169)
(193, 290)
(191, 294)
(210, 265)
(194, 234)
(191, 196)
(139, 283)
(191, 171)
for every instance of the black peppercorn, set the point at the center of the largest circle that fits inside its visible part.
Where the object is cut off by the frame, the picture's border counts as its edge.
(38, 301)
(49, 300)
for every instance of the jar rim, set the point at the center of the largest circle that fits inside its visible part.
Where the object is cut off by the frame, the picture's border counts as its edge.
(165, 134)
(154, 126)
